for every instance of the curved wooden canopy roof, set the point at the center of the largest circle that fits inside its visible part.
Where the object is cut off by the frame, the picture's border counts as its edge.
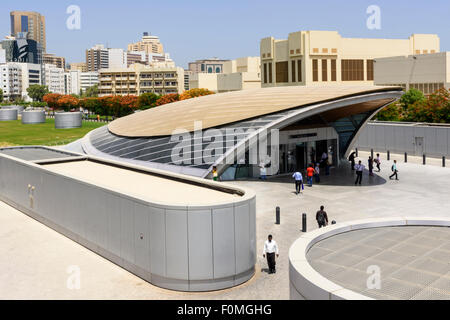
(221, 109)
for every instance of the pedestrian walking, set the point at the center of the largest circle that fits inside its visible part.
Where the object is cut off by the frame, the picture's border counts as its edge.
(263, 171)
(310, 174)
(370, 166)
(215, 174)
(359, 173)
(298, 182)
(317, 173)
(394, 170)
(378, 162)
(352, 158)
(270, 250)
(322, 217)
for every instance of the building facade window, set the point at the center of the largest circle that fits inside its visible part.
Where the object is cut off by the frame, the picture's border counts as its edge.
(270, 73)
(282, 74)
(333, 70)
(315, 70)
(324, 70)
(352, 70)
(293, 71)
(369, 66)
(265, 73)
(299, 71)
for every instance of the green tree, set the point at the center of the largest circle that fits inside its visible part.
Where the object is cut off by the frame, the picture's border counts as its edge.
(91, 92)
(1, 95)
(37, 92)
(392, 112)
(411, 97)
(147, 100)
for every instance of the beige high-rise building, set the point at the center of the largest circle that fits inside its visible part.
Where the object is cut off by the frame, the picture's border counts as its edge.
(325, 57)
(149, 44)
(49, 58)
(33, 23)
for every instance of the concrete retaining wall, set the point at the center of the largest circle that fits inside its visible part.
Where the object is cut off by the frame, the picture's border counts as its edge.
(175, 247)
(415, 139)
(305, 283)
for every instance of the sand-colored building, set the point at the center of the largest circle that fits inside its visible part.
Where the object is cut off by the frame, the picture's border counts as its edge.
(425, 72)
(138, 79)
(239, 74)
(49, 58)
(325, 57)
(79, 66)
(148, 43)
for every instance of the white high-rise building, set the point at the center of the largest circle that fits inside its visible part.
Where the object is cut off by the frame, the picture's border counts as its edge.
(77, 81)
(117, 58)
(11, 81)
(16, 77)
(54, 78)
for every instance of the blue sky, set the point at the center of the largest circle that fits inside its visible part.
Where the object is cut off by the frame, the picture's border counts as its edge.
(229, 29)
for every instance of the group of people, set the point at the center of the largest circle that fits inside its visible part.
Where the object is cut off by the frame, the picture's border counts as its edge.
(359, 168)
(271, 251)
(312, 172)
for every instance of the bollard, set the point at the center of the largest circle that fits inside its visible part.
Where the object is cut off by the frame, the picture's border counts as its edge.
(406, 157)
(356, 151)
(388, 155)
(277, 210)
(443, 161)
(424, 159)
(371, 153)
(304, 222)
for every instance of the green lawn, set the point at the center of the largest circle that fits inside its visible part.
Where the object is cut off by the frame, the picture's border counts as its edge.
(14, 133)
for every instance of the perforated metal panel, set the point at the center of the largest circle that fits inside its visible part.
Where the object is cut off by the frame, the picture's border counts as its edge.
(414, 262)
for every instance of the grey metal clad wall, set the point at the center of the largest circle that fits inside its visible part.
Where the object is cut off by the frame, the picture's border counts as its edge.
(175, 247)
(32, 117)
(67, 120)
(400, 138)
(8, 114)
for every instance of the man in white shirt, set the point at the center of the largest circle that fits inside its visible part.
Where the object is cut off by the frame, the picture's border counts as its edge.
(270, 250)
(359, 172)
(298, 182)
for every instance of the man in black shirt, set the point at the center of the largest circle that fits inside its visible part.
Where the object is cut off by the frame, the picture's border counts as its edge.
(322, 217)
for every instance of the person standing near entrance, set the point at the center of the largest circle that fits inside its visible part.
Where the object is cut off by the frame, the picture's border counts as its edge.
(317, 173)
(270, 250)
(370, 166)
(378, 162)
(322, 217)
(359, 173)
(394, 170)
(310, 174)
(298, 182)
(263, 171)
(351, 158)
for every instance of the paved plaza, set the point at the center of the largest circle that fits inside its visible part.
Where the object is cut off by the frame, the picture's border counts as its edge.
(35, 261)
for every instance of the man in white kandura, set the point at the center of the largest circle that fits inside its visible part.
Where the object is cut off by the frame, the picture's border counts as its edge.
(271, 249)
